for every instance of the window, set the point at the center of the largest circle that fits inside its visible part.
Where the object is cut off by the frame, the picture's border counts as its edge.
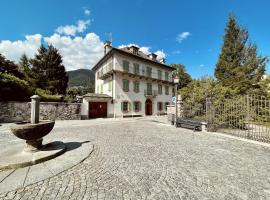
(125, 66)
(125, 106)
(136, 68)
(159, 89)
(110, 86)
(125, 85)
(137, 106)
(149, 71)
(149, 89)
(101, 89)
(160, 106)
(136, 85)
(166, 76)
(97, 89)
(167, 90)
(160, 74)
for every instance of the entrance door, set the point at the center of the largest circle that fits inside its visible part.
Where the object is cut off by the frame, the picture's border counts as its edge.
(148, 107)
(97, 109)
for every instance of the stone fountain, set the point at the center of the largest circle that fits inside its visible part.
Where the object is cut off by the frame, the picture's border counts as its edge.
(33, 132)
(33, 152)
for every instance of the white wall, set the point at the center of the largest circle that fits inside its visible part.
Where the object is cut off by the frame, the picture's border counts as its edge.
(119, 95)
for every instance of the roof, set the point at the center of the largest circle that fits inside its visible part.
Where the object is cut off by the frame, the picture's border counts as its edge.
(97, 95)
(126, 51)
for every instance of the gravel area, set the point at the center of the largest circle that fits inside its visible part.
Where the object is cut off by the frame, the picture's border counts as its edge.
(146, 158)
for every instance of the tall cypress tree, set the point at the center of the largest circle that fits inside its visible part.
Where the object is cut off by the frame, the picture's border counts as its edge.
(239, 67)
(49, 71)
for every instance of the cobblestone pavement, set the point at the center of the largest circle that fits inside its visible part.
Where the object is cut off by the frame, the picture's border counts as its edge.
(145, 158)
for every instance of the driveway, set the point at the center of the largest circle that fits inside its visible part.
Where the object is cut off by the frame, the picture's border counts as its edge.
(145, 158)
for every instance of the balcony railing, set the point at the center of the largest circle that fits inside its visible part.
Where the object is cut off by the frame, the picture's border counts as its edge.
(105, 72)
(150, 93)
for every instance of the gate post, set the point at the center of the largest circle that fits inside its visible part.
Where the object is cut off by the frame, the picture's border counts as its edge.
(210, 113)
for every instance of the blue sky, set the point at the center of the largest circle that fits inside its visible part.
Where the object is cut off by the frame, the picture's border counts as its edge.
(78, 28)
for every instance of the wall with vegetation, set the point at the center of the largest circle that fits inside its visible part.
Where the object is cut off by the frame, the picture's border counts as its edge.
(20, 111)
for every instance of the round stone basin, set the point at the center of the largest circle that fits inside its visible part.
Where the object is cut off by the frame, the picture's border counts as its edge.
(28, 131)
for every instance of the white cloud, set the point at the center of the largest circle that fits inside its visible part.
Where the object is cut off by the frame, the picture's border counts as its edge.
(14, 49)
(160, 54)
(72, 30)
(202, 65)
(87, 11)
(182, 36)
(146, 50)
(78, 52)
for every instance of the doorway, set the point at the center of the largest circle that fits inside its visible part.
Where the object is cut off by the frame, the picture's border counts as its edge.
(148, 107)
(97, 109)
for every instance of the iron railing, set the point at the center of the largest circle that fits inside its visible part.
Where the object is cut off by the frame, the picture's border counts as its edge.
(244, 116)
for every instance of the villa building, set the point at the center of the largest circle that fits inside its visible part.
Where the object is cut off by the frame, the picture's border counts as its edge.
(129, 83)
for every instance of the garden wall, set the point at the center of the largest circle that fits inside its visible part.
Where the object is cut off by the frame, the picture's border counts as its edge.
(20, 111)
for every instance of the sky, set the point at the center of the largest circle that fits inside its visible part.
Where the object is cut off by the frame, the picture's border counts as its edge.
(189, 32)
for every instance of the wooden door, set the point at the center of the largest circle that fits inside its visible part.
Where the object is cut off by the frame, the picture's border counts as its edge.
(97, 109)
(148, 107)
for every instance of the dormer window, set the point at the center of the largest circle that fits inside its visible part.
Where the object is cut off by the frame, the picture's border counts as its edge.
(134, 50)
(153, 56)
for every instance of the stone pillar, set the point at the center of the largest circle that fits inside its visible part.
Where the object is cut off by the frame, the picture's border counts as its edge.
(35, 100)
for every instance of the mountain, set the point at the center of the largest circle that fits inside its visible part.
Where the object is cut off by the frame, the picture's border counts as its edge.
(81, 77)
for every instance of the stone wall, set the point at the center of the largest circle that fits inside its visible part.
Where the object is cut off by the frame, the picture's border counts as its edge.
(20, 111)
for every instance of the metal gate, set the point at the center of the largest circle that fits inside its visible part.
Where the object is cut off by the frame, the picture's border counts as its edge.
(244, 116)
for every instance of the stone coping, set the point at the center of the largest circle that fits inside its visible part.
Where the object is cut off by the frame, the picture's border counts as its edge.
(14, 157)
(76, 152)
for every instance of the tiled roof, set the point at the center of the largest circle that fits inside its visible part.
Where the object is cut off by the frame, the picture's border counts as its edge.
(97, 95)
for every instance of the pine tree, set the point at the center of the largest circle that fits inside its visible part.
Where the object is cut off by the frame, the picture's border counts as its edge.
(239, 67)
(49, 71)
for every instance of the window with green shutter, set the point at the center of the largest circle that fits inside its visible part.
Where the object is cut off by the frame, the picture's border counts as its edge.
(166, 76)
(149, 89)
(160, 106)
(136, 85)
(159, 89)
(167, 90)
(137, 106)
(110, 86)
(149, 71)
(125, 85)
(101, 88)
(159, 74)
(136, 68)
(125, 65)
(125, 106)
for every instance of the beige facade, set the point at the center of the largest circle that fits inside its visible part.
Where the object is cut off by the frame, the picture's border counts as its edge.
(138, 86)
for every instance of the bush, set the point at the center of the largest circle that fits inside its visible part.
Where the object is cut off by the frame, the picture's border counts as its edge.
(13, 88)
(46, 96)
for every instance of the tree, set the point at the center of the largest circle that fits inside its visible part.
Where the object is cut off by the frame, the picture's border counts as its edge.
(180, 72)
(49, 71)
(239, 67)
(9, 67)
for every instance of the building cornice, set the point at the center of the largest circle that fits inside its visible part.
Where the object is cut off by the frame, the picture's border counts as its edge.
(115, 50)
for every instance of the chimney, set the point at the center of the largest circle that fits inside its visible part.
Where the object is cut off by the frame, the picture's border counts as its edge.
(153, 56)
(162, 60)
(134, 49)
(107, 46)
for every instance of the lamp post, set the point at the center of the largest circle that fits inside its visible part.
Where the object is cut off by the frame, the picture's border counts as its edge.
(176, 81)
